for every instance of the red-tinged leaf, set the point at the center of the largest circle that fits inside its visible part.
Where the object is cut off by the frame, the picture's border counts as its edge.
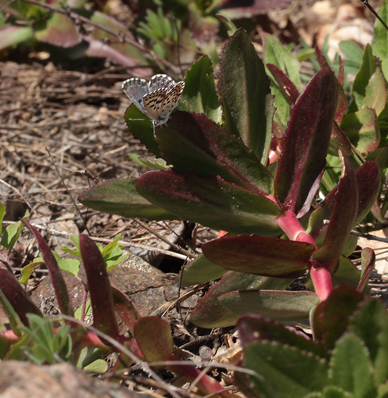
(254, 328)
(260, 255)
(331, 317)
(192, 142)
(210, 313)
(305, 143)
(55, 273)
(285, 84)
(100, 49)
(59, 30)
(368, 182)
(342, 219)
(245, 94)
(125, 309)
(210, 201)
(321, 58)
(279, 305)
(14, 35)
(104, 317)
(120, 197)
(153, 335)
(17, 297)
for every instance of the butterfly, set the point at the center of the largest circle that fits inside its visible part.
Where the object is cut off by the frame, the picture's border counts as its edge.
(156, 98)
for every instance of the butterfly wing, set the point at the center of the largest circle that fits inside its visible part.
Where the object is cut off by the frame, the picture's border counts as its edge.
(171, 101)
(153, 104)
(135, 89)
(160, 81)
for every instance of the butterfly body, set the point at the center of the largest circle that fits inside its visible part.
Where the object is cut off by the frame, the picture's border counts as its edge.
(156, 98)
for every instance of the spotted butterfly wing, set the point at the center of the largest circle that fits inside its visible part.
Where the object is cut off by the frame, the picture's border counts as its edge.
(160, 81)
(171, 100)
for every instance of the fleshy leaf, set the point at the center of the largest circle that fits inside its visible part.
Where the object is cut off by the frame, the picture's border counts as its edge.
(58, 30)
(285, 371)
(331, 317)
(376, 92)
(306, 142)
(154, 338)
(125, 309)
(200, 94)
(192, 142)
(14, 35)
(209, 312)
(201, 270)
(370, 323)
(285, 84)
(210, 201)
(120, 197)
(279, 305)
(380, 39)
(104, 318)
(276, 54)
(254, 328)
(245, 95)
(260, 255)
(17, 304)
(351, 368)
(362, 129)
(55, 273)
(361, 81)
(342, 219)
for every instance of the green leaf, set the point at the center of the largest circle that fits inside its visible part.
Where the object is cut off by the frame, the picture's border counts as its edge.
(201, 270)
(362, 129)
(245, 95)
(285, 371)
(120, 197)
(29, 268)
(200, 94)
(351, 51)
(12, 233)
(380, 39)
(14, 35)
(361, 81)
(376, 92)
(276, 54)
(2, 212)
(370, 323)
(330, 392)
(70, 265)
(284, 306)
(351, 368)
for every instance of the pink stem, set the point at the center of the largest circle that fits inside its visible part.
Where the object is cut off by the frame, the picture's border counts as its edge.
(320, 275)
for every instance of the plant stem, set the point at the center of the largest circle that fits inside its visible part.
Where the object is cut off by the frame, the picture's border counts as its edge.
(320, 275)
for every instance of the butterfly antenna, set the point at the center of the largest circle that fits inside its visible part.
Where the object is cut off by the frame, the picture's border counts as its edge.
(371, 9)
